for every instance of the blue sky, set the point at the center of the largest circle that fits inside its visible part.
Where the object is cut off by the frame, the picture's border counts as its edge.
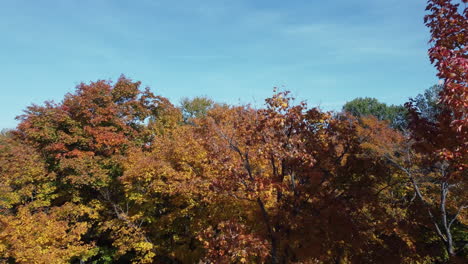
(325, 52)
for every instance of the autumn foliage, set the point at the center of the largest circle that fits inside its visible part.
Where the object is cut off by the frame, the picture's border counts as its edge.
(116, 174)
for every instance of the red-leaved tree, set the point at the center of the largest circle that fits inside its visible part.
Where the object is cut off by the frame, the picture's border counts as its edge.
(443, 142)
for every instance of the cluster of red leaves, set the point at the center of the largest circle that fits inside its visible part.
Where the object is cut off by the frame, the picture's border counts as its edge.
(231, 242)
(448, 137)
(449, 53)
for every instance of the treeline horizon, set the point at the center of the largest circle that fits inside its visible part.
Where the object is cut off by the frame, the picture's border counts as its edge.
(373, 102)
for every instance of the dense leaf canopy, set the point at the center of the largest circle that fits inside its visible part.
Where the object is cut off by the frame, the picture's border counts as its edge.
(116, 174)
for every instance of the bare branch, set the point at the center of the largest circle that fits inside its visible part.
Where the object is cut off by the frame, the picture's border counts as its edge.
(460, 209)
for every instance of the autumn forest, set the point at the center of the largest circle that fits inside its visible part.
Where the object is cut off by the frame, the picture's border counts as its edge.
(115, 173)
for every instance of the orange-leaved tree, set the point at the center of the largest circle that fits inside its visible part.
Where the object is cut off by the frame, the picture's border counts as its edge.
(83, 141)
(311, 189)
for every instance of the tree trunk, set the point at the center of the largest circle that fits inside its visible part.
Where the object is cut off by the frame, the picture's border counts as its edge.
(273, 241)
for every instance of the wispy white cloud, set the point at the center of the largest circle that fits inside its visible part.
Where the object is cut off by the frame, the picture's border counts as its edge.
(200, 57)
(355, 40)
